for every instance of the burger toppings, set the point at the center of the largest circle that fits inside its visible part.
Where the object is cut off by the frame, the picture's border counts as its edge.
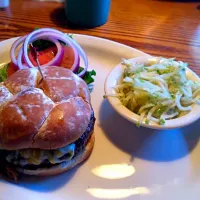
(3, 73)
(59, 49)
(53, 36)
(53, 48)
(37, 156)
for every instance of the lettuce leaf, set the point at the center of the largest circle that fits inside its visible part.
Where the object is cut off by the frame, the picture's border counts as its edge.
(3, 73)
(88, 77)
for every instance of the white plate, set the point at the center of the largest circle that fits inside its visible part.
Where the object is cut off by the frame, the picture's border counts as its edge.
(127, 162)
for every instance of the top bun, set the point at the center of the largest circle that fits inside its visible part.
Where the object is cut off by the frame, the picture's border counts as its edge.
(46, 115)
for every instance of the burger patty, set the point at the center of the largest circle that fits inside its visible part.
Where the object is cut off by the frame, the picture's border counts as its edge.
(79, 146)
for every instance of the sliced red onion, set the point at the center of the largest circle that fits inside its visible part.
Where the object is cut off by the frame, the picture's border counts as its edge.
(19, 59)
(14, 47)
(76, 67)
(53, 36)
(59, 55)
(18, 62)
(82, 54)
(51, 33)
(76, 63)
(56, 61)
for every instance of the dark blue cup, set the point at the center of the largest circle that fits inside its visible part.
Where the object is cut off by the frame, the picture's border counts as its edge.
(87, 13)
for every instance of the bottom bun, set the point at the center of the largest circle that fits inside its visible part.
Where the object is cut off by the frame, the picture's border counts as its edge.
(65, 166)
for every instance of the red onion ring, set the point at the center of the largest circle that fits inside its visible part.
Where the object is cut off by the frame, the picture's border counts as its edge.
(13, 49)
(59, 36)
(53, 36)
(19, 59)
(76, 59)
(56, 61)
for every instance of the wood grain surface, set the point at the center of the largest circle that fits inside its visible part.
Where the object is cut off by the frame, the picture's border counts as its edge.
(158, 27)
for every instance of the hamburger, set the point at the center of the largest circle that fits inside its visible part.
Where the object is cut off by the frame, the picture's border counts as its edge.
(46, 127)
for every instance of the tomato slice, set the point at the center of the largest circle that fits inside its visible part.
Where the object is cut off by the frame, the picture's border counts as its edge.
(11, 69)
(44, 56)
(68, 58)
(47, 55)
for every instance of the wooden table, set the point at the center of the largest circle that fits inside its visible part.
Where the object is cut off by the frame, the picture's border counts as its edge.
(158, 27)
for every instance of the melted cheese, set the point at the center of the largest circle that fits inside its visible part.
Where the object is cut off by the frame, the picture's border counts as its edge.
(37, 156)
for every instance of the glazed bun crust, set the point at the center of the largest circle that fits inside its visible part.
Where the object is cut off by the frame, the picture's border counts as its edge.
(43, 115)
(65, 166)
(65, 124)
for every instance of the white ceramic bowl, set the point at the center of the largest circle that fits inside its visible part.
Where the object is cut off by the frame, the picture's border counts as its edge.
(116, 75)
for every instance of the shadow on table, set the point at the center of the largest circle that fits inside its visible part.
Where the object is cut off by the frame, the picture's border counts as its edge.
(57, 16)
(185, 1)
(198, 7)
(45, 184)
(147, 144)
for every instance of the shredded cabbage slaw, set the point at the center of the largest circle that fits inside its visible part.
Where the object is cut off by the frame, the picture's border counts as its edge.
(157, 90)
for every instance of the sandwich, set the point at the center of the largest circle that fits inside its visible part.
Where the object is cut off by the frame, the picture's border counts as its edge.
(46, 125)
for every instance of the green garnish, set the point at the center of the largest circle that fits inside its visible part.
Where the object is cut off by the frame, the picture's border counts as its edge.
(173, 95)
(3, 73)
(88, 75)
(138, 125)
(146, 121)
(141, 80)
(126, 73)
(159, 111)
(139, 70)
(42, 44)
(158, 71)
(70, 35)
(104, 96)
(162, 122)
(155, 96)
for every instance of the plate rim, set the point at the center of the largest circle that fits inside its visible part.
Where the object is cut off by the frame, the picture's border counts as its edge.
(85, 36)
